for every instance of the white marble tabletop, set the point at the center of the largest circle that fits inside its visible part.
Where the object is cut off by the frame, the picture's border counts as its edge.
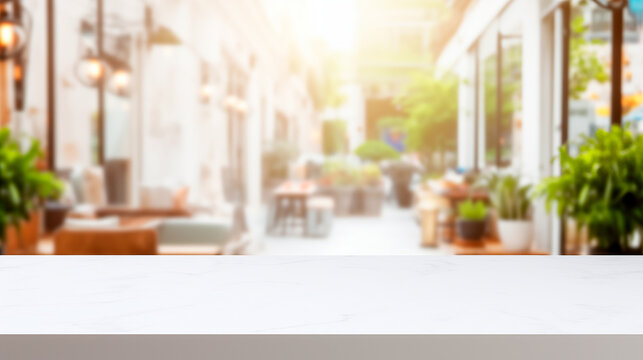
(321, 295)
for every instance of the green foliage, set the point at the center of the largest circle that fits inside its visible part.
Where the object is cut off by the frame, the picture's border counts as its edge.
(375, 150)
(277, 158)
(472, 211)
(334, 137)
(391, 122)
(511, 200)
(371, 175)
(584, 64)
(340, 173)
(431, 104)
(22, 186)
(436, 12)
(602, 187)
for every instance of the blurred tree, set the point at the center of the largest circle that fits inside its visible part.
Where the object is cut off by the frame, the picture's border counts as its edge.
(431, 104)
(584, 64)
(334, 137)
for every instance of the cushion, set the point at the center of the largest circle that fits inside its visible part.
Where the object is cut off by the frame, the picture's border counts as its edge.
(195, 231)
(76, 182)
(94, 186)
(91, 224)
(83, 211)
(157, 197)
(68, 196)
(180, 198)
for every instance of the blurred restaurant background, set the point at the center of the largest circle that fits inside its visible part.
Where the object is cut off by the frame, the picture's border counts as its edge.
(312, 127)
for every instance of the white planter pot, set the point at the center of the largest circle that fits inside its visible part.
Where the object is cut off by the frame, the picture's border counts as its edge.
(516, 235)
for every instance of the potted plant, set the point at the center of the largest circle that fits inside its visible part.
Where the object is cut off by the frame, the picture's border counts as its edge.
(22, 186)
(602, 189)
(511, 202)
(372, 192)
(472, 220)
(401, 174)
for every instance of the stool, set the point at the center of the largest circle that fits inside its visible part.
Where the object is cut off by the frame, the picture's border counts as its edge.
(429, 223)
(433, 211)
(320, 216)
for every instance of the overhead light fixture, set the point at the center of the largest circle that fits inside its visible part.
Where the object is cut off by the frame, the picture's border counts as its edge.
(13, 36)
(242, 106)
(230, 102)
(120, 77)
(206, 92)
(158, 34)
(207, 89)
(163, 36)
(120, 82)
(91, 70)
(115, 73)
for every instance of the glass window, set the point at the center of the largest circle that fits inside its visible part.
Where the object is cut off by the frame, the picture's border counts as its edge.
(589, 71)
(488, 47)
(510, 127)
(501, 92)
(632, 74)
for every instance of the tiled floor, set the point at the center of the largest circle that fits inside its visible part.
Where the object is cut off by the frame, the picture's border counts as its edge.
(396, 232)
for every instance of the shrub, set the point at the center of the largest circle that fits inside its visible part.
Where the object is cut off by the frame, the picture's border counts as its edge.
(376, 150)
(371, 175)
(339, 173)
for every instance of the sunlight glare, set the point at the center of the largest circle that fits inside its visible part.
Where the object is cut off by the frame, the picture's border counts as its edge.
(335, 22)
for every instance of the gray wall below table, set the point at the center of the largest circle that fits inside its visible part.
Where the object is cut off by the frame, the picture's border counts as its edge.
(320, 347)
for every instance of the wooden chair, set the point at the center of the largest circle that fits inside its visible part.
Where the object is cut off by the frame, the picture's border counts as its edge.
(106, 242)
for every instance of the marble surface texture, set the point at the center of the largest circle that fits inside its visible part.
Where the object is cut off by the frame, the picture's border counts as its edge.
(321, 295)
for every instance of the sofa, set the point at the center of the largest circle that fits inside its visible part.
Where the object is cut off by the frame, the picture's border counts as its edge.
(84, 219)
(87, 195)
(169, 236)
(206, 235)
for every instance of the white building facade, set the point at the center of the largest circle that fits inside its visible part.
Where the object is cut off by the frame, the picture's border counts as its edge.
(526, 37)
(198, 113)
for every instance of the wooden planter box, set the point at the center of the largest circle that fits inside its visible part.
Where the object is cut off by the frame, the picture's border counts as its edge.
(350, 200)
(372, 200)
